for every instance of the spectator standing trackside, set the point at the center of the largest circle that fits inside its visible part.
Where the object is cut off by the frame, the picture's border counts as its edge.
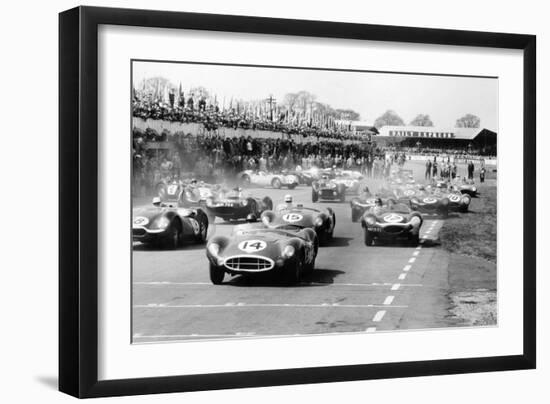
(482, 174)
(434, 168)
(428, 173)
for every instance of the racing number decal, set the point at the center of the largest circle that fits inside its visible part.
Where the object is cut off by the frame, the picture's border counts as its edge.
(454, 198)
(141, 221)
(172, 189)
(393, 218)
(196, 226)
(252, 246)
(430, 200)
(292, 217)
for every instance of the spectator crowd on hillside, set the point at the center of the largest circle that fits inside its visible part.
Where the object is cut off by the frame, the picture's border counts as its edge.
(212, 118)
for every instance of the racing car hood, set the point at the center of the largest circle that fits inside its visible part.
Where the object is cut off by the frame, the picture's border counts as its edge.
(145, 217)
(265, 243)
(290, 217)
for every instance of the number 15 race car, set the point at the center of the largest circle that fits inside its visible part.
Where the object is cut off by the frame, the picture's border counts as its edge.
(254, 249)
(168, 226)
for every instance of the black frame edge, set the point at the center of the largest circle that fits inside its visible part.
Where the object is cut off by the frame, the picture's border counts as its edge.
(78, 153)
(69, 79)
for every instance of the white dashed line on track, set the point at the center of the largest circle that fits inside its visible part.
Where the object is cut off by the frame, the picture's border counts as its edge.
(411, 260)
(395, 286)
(407, 268)
(371, 329)
(389, 300)
(261, 305)
(379, 316)
(402, 276)
(415, 253)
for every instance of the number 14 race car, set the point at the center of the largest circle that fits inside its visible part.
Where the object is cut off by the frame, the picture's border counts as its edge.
(254, 249)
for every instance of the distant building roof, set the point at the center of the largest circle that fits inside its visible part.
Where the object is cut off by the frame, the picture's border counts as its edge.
(433, 132)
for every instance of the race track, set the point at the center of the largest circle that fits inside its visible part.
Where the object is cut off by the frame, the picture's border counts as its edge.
(353, 288)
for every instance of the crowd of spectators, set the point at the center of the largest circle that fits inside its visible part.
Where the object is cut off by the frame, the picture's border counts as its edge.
(216, 158)
(212, 118)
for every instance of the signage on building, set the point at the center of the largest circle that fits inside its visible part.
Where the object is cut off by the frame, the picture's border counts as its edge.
(426, 134)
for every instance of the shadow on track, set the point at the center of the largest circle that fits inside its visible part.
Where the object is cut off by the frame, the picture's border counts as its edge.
(319, 277)
(152, 247)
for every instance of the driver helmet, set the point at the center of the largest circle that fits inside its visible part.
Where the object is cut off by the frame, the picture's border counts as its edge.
(378, 202)
(156, 201)
(193, 181)
(288, 198)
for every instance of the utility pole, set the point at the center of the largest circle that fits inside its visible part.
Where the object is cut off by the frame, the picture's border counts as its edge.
(272, 101)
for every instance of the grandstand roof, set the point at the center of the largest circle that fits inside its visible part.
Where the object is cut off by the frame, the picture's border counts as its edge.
(433, 132)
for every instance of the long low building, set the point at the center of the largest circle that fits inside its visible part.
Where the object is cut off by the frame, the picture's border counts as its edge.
(438, 137)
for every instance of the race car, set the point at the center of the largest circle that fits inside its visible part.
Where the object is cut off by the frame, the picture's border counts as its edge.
(458, 202)
(254, 249)
(327, 189)
(299, 217)
(428, 201)
(467, 187)
(170, 191)
(167, 225)
(350, 179)
(390, 222)
(362, 203)
(235, 204)
(265, 179)
(196, 193)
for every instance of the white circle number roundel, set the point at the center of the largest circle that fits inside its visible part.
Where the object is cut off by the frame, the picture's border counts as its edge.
(292, 217)
(430, 200)
(393, 218)
(252, 246)
(454, 198)
(141, 221)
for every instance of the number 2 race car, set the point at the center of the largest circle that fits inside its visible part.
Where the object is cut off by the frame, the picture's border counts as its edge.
(254, 250)
(299, 217)
(391, 221)
(236, 205)
(168, 226)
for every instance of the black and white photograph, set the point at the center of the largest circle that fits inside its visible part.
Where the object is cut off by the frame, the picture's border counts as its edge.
(277, 201)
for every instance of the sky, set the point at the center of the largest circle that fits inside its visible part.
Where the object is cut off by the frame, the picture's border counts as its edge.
(443, 98)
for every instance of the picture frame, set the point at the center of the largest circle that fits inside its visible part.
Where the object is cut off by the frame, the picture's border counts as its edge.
(78, 201)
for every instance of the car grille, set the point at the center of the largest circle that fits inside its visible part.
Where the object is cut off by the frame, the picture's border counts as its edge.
(138, 232)
(393, 229)
(248, 263)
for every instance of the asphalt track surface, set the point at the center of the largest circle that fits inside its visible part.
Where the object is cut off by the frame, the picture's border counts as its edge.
(354, 288)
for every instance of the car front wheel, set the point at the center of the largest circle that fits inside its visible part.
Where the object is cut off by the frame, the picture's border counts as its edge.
(216, 274)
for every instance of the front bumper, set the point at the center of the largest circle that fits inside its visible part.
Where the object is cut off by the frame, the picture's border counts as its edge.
(393, 230)
(145, 235)
(229, 212)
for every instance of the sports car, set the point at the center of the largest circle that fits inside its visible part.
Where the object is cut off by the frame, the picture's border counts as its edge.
(168, 225)
(361, 204)
(428, 201)
(235, 205)
(458, 202)
(299, 217)
(328, 189)
(467, 187)
(350, 179)
(254, 249)
(391, 221)
(265, 179)
(196, 194)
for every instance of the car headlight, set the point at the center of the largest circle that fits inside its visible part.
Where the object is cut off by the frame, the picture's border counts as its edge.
(214, 249)
(415, 220)
(162, 223)
(319, 222)
(244, 202)
(474, 189)
(288, 251)
(371, 220)
(265, 220)
(466, 200)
